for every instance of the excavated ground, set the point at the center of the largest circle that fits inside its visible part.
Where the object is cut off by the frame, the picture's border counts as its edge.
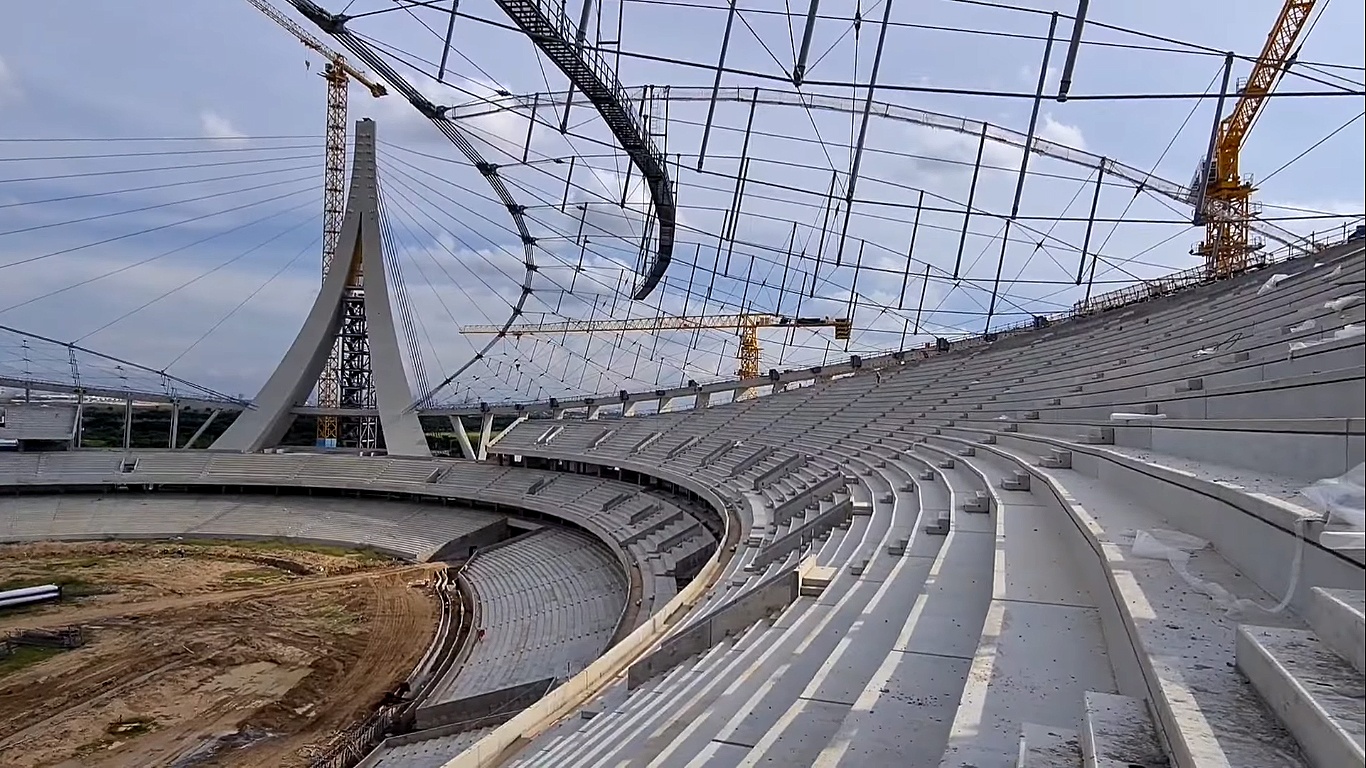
(204, 654)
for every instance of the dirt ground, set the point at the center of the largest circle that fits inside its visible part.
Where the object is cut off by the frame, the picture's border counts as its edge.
(204, 654)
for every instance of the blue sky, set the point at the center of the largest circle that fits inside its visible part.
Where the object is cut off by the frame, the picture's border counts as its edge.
(220, 79)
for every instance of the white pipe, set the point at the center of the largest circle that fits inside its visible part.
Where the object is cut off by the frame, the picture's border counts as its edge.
(14, 602)
(26, 591)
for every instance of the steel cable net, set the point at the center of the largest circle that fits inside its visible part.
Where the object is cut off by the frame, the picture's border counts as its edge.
(29, 362)
(910, 207)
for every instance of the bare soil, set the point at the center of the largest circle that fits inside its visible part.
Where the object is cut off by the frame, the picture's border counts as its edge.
(205, 654)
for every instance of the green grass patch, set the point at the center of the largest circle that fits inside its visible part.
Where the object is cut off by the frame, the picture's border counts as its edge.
(25, 656)
(336, 618)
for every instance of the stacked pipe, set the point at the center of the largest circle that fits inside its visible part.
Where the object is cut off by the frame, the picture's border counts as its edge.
(13, 598)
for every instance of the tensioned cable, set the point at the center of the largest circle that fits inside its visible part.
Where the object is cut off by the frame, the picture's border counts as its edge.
(1188, 49)
(159, 153)
(546, 276)
(705, 269)
(400, 290)
(1314, 146)
(108, 139)
(164, 254)
(149, 230)
(186, 284)
(154, 169)
(164, 185)
(158, 206)
(909, 88)
(246, 299)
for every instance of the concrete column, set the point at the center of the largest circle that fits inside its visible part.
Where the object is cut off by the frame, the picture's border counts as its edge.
(128, 423)
(703, 400)
(664, 404)
(80, 417)
(202, 429)
(485, 433)
(462, 437)
(175, 425)
(593, 412)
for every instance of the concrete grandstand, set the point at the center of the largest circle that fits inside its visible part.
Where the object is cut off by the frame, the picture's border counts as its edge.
(1081, 544)
(1109, 529)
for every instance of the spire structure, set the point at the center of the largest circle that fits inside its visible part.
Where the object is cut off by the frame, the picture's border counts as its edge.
(353, 312)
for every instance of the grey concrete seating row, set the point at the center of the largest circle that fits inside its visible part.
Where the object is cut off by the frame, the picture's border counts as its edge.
(407, 530)
(37, 421)
(476, 480)
(548, 605)
(413, 751)
(1041, 626)
(787, 653)
(1200, 684)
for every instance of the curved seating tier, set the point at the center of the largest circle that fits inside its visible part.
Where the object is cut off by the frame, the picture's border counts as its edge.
(407, 530)
(548, 602)
(552, 599)
(991, 606)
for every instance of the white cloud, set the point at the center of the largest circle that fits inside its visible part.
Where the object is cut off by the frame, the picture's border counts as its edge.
(454, 232)
(1062, 133)
(216, 126)
(9, 84)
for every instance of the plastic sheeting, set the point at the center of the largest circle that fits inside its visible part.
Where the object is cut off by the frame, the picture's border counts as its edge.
(1125, 416)
(1349, 331)
(1272, 282)
(1341, 303)
(1341, 499)
(1176, 548)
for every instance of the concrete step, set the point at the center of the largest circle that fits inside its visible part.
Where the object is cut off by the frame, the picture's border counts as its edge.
(1057, 459)
(1119, 733)
(939, 525)
(1337, 618)
(1018, 481)
(1313, 691)
(979, 503)
(1043, 746)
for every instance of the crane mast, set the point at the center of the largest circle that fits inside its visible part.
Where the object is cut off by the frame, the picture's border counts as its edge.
(338, 74)
(1228, 195)
(746, 325)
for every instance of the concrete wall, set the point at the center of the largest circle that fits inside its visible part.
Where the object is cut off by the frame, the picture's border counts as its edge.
(459, 549)
(564, 699)
(765, 599)
(497, 702)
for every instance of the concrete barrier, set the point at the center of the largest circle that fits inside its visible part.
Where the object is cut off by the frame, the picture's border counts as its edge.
(765, 599)
(784, 544)
(461, 548)
(770, 476)
(534, 720)
(482, 705)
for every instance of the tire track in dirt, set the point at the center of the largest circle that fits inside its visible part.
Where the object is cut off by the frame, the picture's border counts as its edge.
(88, 614)
(292, 664)
(398, 616)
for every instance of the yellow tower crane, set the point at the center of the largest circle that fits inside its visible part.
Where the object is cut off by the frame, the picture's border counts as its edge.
(338, 73)
(746, 325)
(1228, 205)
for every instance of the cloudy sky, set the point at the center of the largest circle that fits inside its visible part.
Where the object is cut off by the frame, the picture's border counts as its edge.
(160, 177)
